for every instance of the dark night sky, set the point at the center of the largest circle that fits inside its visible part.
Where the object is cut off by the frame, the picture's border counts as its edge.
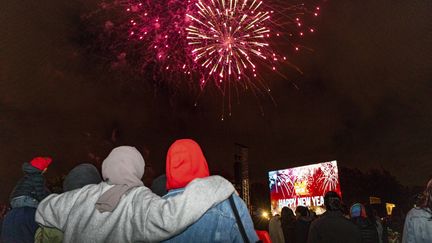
(364, 98)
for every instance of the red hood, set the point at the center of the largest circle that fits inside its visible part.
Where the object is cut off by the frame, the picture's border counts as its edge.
(185, 162)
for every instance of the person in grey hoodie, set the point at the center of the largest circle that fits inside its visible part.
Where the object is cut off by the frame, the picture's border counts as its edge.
(122, 209)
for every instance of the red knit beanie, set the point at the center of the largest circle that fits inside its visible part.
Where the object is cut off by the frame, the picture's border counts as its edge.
(41, 163)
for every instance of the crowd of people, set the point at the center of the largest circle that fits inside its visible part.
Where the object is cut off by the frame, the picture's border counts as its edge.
(333, 226)
(186, 204)
(359, 224)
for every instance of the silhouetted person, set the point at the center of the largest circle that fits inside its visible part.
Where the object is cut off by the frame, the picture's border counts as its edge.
(302, 224)
(367, 227)
(372, 215)
(395, 223)
(418, 223)
(287, 222)
(332, 226)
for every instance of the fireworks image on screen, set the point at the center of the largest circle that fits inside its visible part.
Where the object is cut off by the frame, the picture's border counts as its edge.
(281, 182)
(328, 177)
(305, 181)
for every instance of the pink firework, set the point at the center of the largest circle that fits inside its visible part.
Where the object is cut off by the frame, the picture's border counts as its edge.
(227, 36)
(228, 43)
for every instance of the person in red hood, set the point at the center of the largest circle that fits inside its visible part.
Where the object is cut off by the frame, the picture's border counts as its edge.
(184, 163)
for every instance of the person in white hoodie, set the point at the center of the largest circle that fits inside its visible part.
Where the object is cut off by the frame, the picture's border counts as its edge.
(122, 209)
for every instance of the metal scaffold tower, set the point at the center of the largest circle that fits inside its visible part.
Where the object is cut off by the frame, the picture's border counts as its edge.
(241, 169)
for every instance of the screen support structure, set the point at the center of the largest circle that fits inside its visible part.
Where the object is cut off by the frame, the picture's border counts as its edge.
(241, 167)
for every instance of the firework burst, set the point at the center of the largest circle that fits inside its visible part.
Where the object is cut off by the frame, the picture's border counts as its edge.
(228, 43)
(226, 36)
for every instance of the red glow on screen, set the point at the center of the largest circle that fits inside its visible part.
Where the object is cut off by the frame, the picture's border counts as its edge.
(303, 186)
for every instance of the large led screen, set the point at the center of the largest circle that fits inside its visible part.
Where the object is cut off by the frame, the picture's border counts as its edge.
(303, 186)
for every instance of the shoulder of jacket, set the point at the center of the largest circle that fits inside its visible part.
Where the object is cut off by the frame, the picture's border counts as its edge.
(139, 195)
(36, 177)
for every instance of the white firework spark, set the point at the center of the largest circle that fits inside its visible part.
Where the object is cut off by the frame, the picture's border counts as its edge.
(282, 182)
(329, 179)
(228, 36)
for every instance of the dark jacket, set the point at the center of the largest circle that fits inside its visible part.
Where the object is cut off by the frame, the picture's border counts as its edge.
(288, 232)
(301, 229)
(333, 227)
(368, 230)
(19, 225)
(32, 184)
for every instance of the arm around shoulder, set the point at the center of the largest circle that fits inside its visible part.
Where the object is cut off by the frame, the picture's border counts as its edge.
(167, 217)
(53, 210)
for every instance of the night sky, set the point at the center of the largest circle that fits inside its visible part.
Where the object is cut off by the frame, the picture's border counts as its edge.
(364, 98)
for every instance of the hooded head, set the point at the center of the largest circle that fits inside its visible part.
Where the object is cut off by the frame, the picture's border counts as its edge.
(287, 217)
(302, 211)
(123, 168)
(426, 198)
(358, 210)
(80, 176)
(41, 163)
(184, 163)
(332, 201)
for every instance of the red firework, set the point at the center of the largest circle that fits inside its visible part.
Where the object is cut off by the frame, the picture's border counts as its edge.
(228, 43)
